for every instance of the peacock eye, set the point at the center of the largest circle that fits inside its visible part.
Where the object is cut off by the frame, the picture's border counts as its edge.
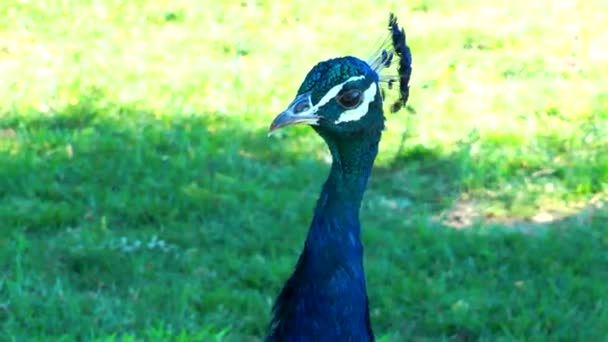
(350, 99)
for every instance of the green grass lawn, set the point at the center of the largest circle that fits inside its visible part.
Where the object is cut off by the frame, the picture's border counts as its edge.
(141, 199)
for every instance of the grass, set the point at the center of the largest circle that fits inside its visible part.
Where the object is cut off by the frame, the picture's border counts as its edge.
(140, 198)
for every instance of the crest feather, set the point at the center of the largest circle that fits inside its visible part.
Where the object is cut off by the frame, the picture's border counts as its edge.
(382, 59)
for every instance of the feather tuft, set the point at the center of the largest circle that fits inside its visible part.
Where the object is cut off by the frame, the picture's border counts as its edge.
(381, 60)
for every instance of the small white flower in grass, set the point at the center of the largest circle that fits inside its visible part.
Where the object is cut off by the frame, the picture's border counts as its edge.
(461, 306)
(152, 242)
(125, 245)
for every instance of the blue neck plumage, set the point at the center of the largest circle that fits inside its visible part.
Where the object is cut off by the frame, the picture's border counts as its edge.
(326, 297)
(340, 199)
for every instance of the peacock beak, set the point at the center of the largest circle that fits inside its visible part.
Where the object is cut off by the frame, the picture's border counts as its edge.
(300, 111)
(289, 118)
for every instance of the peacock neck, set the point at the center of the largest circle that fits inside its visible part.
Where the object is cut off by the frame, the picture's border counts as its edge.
(326, 296)
(352, 162)
(333, 241)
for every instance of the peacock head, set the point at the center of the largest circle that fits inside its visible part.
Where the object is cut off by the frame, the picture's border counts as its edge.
(337, 95)
(344, 95)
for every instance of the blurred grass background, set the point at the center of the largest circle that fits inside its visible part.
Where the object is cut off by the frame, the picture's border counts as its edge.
(140, 198)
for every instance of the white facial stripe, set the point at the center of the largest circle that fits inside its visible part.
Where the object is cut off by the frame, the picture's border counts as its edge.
(335, 90)
(357, 113)
(349, 115)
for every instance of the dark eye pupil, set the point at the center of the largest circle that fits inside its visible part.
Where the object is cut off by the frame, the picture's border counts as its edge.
(350, 98)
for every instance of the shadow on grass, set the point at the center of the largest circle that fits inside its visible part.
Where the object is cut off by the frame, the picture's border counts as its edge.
(120, 220)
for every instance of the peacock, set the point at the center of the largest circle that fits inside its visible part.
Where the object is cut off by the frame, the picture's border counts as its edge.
(325, 299)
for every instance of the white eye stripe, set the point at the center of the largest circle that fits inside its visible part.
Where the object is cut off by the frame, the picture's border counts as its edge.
(349, 115)
(335, 90)
(357, 113)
